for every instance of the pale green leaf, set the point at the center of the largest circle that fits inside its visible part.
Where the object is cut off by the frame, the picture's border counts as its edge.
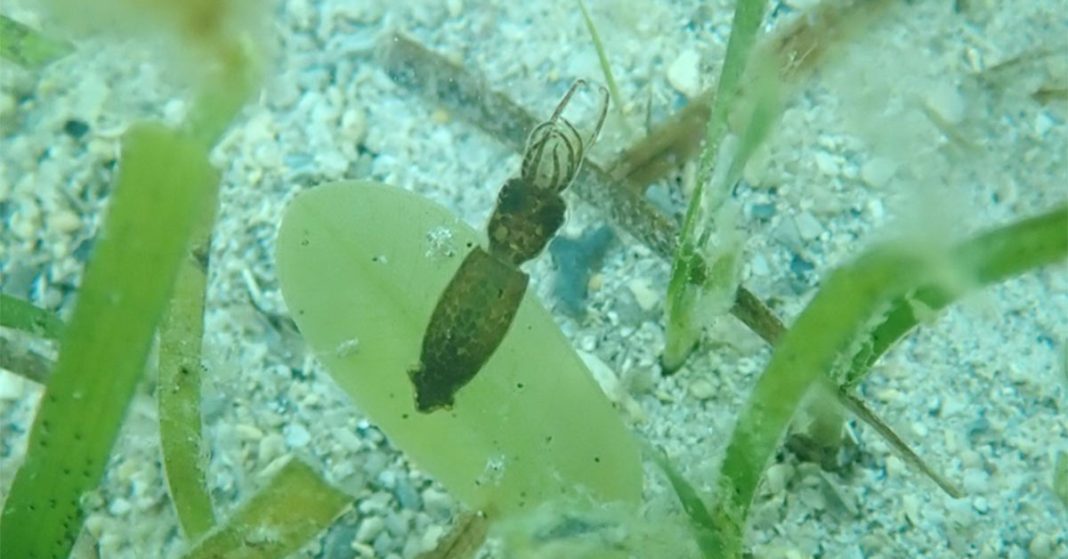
(361, 267)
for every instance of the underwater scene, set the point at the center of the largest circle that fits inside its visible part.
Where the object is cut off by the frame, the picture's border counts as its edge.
(551, 279)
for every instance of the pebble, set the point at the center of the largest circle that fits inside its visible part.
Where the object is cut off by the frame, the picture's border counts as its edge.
(248, 432)
(412, 547)
(338, 541)
(370, 528)
(382, 544)
(440, 116)
(26, 222)
(331, 163)
(1043, 124)
(947, 102)
(12, 387)
(271, 446)
(595, 284)
(838, 501)
(777, 477)
(1041, 546)
(826, 163)
(296, 435)
(174, 111)
(758, 266)
(454, 7)
(762, 211)
(147, 497)
(375, 464)
(119, 506)
(660, 196)
(437, 502)
(877, 172)
(888, 395)
(641, 379)
(910, 506)
(376, 504)
(684, 73)
(301, 13)
(406, 495)
(342, 470)
(702, 389)
(895, 468)
(644, 295)
(431, 537)
(786, 233)
(969, 458)
(960, 511)
(92, 95)
(975, 481)
(363, 550)
(282, 93)
(808, 226)
(272, 469)
(347, 439)
(353, 126)
(387, 479)
(397, 524)
(813, 499)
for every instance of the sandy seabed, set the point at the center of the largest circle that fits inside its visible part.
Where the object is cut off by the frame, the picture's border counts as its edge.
(927, 125)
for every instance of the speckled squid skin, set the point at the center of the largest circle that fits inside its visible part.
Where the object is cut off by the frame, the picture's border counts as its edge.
(524, 221)
(469, 321)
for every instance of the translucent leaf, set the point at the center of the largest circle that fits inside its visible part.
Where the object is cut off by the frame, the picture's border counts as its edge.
(361, 267)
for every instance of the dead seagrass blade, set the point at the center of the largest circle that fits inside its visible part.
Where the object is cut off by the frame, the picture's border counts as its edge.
(361, 266)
